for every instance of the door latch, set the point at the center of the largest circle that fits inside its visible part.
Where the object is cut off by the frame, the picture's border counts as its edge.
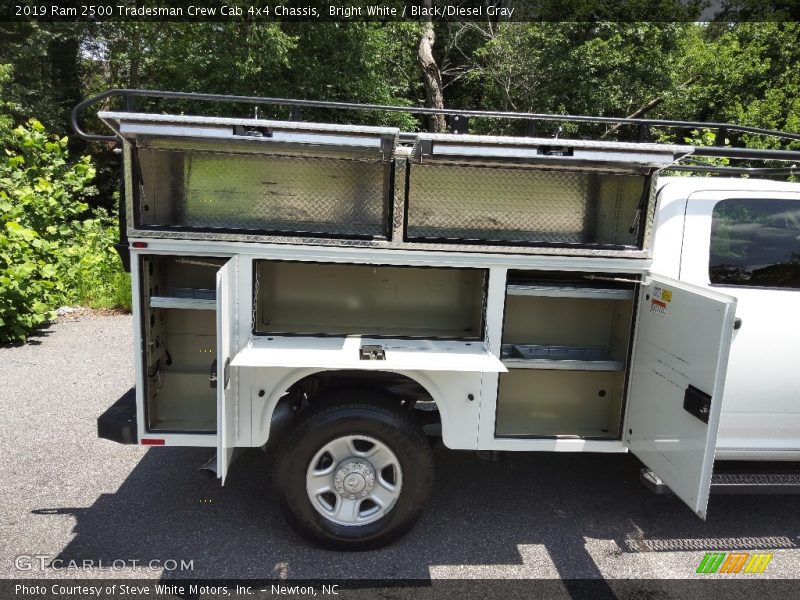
(697, 403)
(212, 375)
(372, 352)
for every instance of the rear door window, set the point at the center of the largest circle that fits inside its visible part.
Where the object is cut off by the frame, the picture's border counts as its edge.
(755, 243)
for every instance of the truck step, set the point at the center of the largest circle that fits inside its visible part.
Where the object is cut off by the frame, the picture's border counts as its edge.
(756, 482)
(758, 478)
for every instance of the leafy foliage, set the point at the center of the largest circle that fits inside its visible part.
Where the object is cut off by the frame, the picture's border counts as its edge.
(91, 272)
(48, 253)
(744, 73)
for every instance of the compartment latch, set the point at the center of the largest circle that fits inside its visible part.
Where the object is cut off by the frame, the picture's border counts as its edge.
(372, 352)
(212, 375)
(697, 403)
(252, 131)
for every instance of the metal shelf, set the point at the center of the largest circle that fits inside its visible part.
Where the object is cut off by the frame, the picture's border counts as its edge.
(553, 290)
(574, 358)
(185, 303)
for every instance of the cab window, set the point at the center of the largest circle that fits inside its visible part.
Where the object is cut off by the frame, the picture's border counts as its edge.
(755, 243)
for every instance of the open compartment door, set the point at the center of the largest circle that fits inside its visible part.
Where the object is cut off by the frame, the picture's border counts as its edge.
(368, 354)
(226, 374)
(678, 371)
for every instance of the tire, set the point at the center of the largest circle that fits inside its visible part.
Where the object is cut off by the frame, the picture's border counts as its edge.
(367, 505)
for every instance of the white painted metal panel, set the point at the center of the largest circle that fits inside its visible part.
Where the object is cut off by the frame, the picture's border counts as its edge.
(386, 255)
(227, 400)
(761, 412)
(457, 396)
(683, 338)
(343, 353)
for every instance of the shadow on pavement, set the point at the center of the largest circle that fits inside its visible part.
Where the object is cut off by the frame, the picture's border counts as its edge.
(479, 515)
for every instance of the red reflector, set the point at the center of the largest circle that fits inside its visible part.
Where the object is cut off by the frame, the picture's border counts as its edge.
(139, 244)
(152, 442)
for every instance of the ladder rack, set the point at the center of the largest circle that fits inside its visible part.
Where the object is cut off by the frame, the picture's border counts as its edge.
(460, 118)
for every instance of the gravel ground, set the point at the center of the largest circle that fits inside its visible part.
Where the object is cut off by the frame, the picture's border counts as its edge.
(68, 495)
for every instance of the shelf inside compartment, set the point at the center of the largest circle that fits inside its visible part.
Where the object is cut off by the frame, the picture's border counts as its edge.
(537, 356)
(186, 298)
(557, 403)
(567, 320)
(556, 290)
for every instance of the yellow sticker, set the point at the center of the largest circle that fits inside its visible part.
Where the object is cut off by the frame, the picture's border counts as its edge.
(666, 295)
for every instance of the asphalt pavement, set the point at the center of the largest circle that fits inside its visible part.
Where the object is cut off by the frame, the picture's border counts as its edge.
(71, 497)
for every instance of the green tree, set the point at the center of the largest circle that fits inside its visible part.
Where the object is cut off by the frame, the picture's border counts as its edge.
(607, 69)
(47, 78)
(744, 73)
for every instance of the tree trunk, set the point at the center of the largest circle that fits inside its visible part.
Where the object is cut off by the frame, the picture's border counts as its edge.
(434, 98)
(65, 82)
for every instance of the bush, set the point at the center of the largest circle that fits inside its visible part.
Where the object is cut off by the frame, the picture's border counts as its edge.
(48, 253)
(93, 274)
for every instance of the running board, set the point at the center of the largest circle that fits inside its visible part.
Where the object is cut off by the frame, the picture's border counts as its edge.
(736, 482)
(733, 482)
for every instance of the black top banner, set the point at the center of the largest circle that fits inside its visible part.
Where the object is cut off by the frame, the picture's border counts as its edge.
(397, 10)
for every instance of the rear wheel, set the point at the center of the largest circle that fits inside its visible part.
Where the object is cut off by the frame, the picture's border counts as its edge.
(355, 474)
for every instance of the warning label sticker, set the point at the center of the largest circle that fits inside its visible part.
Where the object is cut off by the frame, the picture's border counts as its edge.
(658, 307)
(662, 294)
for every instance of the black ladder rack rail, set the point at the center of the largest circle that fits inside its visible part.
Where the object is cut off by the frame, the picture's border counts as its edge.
(754, 154)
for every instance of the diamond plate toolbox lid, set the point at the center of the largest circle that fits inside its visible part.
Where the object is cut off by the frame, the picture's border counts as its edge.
(257, 176)
(545, 152)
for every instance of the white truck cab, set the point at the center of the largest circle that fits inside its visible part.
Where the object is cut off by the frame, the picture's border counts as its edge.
(740, 237)
(342, 292)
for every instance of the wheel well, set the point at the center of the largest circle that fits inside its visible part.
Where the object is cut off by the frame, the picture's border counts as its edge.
(312, 389)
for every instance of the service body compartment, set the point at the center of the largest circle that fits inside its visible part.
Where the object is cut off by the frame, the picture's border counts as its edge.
(301, 298)
(506, 277)
(238, 190)
(524, 206)
(560, 403)
(566, 339)
(221, 175)
(179, 338)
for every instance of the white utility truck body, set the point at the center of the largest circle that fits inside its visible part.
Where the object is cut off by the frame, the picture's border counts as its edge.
(309, 285)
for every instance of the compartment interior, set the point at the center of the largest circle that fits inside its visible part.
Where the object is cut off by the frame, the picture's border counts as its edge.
(371, 300)
(180, 342)
(566, 342)
(207, 188)
(560, 403)
(524, 205)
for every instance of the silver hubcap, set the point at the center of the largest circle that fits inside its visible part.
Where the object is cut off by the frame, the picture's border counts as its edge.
(354, 480)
